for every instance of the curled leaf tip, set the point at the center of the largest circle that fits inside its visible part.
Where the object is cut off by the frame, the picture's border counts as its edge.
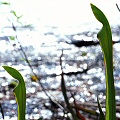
(105, 37)
(19, 91)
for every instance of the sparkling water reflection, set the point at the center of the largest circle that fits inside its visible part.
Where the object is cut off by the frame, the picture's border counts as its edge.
(51, 32)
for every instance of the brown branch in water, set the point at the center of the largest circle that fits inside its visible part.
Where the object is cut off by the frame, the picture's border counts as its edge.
(89, 104)
(77, 110)
(76, 73)
(87, 43)
(68, 73)
(78, 107)
(83, 108)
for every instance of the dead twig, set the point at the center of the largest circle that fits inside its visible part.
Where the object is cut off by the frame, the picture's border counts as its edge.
(117, 7)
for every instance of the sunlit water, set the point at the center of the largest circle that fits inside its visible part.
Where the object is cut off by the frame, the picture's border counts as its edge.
(70, 17)
(52, 20)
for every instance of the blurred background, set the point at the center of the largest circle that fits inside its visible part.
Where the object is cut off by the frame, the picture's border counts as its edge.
(36, 35)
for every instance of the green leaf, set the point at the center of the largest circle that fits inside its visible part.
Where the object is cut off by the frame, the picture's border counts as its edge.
(102, 116)
(105, 37)
(19, 91)
(12, 37)
(64, 92)
(19, 22)
(19, 17)
(5, 3)
(14, 13)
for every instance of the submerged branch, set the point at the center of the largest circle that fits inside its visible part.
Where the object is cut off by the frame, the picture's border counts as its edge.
(87, 43)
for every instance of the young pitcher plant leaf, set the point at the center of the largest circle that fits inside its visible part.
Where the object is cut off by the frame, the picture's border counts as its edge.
(19, 91)
(105, 38)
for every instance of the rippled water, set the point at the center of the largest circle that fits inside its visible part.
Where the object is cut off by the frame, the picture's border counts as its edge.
(53, 24)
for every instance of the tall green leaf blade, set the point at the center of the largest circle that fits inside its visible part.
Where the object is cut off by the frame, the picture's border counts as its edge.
(19, 91)
(102, 116)
(2, 112)
(64, 91)
(105, 37)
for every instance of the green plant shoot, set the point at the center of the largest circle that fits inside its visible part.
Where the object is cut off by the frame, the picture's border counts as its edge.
(105, 37)
(102, 116)
(19, 91)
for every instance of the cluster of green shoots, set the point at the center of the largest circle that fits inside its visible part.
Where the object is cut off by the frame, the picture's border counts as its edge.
(105, 38)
